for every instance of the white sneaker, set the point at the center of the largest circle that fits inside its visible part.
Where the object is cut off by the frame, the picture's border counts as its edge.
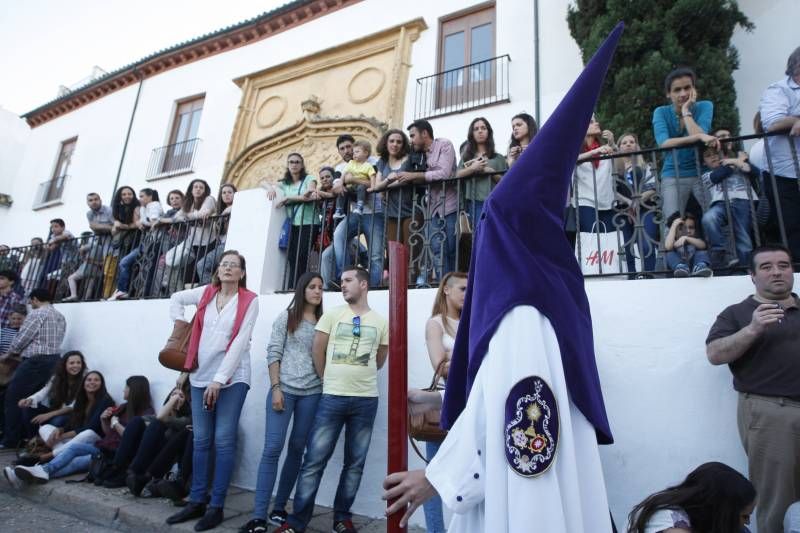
(12, 478)
(32, 474)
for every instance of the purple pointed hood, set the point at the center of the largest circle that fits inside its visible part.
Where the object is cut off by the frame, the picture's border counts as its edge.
(521, 256)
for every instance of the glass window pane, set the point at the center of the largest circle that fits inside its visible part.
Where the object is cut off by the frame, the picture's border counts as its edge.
(195, 123)
(183, 127)
(454, 58)
(481, 50)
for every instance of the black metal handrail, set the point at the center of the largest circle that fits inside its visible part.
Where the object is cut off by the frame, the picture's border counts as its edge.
(172, 159)
(633, 243)
(132, 264)
(468, 87)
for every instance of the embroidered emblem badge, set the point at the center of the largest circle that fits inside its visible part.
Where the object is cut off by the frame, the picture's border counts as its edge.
(531, 431)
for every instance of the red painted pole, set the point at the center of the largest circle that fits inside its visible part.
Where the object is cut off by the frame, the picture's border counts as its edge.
(398, 369)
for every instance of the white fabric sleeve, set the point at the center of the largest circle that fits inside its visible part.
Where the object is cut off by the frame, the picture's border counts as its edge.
(41, 395)
(463, 452)
(239, 345)
(179, 300)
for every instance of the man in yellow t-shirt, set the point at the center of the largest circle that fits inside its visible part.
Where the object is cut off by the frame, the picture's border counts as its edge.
(350, 346)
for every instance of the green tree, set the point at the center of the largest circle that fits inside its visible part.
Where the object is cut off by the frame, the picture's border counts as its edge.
(659, 36)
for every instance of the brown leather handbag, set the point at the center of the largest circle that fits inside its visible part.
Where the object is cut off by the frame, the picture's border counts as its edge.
(173, 355)
(423, 424)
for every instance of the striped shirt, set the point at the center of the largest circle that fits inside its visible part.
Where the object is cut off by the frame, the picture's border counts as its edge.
(40, 334)
(6, 338)
(7, 303)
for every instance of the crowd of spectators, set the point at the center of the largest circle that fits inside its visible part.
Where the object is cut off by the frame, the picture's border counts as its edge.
(692, 206)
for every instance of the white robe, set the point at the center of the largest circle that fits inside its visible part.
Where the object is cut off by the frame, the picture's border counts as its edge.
(481, 489)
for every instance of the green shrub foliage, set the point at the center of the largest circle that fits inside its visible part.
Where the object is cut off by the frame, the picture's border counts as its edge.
(661, 35)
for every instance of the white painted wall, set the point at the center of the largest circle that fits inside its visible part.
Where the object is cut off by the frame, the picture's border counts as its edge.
(101, 126)
(13, 135)
(670, 410)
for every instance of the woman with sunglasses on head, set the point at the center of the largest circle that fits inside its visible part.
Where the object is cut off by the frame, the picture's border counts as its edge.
(297, 187)
(294, 394)
(219, 349)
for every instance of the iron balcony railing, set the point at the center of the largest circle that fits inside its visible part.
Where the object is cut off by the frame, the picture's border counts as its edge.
(468, 87)
(50, 191)
(173, 159)
(615, 222)
(133, 264)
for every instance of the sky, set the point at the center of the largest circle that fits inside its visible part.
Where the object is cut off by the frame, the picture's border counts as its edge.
(47, 43)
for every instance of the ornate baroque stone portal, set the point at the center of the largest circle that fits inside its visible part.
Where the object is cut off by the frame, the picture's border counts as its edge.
(302, 106)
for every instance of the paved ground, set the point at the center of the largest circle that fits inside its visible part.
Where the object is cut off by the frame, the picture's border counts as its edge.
(78, 508)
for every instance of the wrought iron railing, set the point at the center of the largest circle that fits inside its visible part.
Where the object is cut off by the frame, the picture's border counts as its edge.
(626, 237)
(50, 191)
(468, 87)
(173, 159)
(133, 264)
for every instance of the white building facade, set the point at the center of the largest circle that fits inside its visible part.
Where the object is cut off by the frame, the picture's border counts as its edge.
(229, 106)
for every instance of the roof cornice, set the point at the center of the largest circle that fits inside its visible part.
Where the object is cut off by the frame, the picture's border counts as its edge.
(247, 32)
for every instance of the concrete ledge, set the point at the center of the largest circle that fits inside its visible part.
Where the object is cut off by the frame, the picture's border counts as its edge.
(116, 509)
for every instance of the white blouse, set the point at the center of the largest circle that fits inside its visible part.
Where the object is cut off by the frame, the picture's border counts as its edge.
(214, 364)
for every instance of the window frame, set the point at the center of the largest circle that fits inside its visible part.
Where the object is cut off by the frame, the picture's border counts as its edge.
(465, 91)
(51, 191)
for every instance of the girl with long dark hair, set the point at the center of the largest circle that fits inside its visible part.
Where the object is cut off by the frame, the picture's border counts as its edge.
(205, 265)
(51, 404)
(125, 212)
(150, 212)
(151, 445)
(219, 348)
(714, 498)
(91, 401)
(523, 130)
(198, 205)
(294, 394)
(480, 166)
(76, 456)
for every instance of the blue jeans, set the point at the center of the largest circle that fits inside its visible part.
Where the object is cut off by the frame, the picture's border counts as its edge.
(717, 216)
(31, 375)
(215, 429)
(205, 265)
(434, 516)
(646, 237)
(474, 210)
(303, 408)
(124, 270)
(441, 233)
(687, 255)
(75, 457)
(372, 226)
(356, 414)
(600, 221)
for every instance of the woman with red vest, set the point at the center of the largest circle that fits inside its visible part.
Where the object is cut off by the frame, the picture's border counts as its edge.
(219, 353)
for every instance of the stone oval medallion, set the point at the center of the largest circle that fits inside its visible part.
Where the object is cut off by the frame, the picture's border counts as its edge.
(366, 85)
(271, 111)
